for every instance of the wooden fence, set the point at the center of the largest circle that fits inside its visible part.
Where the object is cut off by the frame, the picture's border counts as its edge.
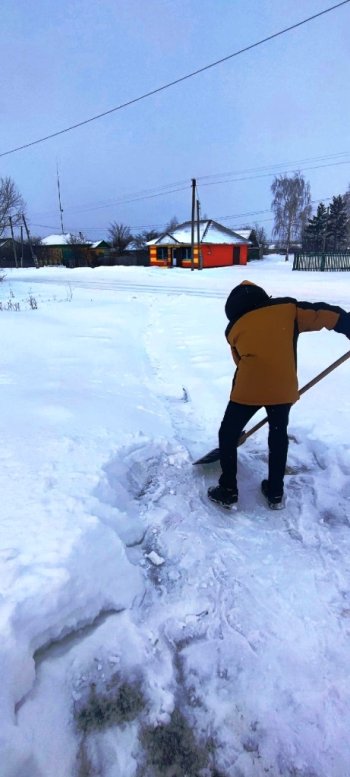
(335, 261)
(69, 256)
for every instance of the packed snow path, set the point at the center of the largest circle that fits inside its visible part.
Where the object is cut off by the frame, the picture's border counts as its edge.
(227, 634)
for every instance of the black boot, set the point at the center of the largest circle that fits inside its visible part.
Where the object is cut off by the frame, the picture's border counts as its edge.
(225, 497)
(273, 501)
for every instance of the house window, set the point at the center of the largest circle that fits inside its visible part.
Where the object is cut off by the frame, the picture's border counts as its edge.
(162, 254)
(187, 252)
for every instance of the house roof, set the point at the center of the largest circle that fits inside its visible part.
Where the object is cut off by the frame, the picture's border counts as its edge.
(209, 232)
(57, 240)
(65, 239)
(246, 233)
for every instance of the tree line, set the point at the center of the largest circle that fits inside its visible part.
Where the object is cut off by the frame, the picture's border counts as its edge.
(327, 230)
(121, 237)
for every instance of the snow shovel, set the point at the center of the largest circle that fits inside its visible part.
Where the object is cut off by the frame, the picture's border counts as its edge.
(214, 454)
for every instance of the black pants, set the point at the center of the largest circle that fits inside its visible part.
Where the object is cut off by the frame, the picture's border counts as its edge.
(235, 418)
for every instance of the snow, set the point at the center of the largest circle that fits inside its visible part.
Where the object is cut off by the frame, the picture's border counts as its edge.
(246, 233)
(57, 240)
(115, 568)
(210, 232)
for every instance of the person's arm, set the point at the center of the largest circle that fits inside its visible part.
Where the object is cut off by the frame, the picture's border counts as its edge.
(313, 316)
(343, 324)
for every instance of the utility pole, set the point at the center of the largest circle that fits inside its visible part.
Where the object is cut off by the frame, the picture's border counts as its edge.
(34, 257)
(13, 242)
(200, 267)
(192, 220)
(59, 200)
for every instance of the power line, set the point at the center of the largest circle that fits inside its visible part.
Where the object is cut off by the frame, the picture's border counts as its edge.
(268, 175)
(155, 190)
(275, 165)
(232, 216)
(132, 199)
(167, 189)
(177, 80)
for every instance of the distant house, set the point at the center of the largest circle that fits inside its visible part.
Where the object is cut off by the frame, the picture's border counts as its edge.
(57, 240)
(255, 250)
(6, 242)
(61, 249)
(218, 246)
(99, 244)
(279, 248)
(14, 254)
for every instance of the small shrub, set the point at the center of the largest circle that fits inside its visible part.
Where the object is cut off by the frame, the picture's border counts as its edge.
(119, 705)
(172, 749)
(10, 305)
(32, 302)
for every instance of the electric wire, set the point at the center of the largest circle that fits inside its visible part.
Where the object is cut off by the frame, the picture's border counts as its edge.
(176, 81)
(160, 191)
(268, 175)
(161, 226)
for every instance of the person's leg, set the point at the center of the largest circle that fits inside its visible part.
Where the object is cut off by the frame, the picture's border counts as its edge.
(235, 418)
(278, 416)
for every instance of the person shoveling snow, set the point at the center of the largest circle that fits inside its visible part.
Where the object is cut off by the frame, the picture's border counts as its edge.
(263, 334)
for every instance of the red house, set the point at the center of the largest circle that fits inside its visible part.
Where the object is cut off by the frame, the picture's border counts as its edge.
(218, 246)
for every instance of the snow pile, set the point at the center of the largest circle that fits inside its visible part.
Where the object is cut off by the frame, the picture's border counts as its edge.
(144, 630)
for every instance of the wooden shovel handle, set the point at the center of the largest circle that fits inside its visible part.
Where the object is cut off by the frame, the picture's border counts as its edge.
(307, 386)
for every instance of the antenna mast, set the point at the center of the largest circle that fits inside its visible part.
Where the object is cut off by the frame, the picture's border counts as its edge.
(59, 199)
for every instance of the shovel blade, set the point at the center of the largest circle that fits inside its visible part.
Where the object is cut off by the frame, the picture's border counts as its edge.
(209, 457)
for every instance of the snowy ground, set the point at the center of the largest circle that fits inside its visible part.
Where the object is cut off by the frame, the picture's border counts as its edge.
(144, 632)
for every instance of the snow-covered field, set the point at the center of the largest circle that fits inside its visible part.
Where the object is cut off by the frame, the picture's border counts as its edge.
(145, 632)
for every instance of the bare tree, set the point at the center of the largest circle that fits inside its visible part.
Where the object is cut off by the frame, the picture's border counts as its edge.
(12, 204)
(172, 224)
(120, 236)
(77, 240)
(292, 208)
(261, 236)
(34, 239)
(142, 238)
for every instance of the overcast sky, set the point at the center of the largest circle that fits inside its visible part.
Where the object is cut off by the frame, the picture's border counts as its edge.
(283, 103)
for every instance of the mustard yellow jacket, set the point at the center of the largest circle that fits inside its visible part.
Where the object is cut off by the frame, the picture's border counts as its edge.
(263, 342)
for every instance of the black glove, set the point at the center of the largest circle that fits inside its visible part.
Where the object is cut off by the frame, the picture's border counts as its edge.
(343, 324)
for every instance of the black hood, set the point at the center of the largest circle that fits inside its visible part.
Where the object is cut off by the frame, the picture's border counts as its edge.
(243, 299)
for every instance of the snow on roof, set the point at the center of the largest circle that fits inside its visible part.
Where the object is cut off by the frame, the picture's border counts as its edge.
(65, 239)
(57, 240)
(246, 233)
(165, 239)
(209, 232)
